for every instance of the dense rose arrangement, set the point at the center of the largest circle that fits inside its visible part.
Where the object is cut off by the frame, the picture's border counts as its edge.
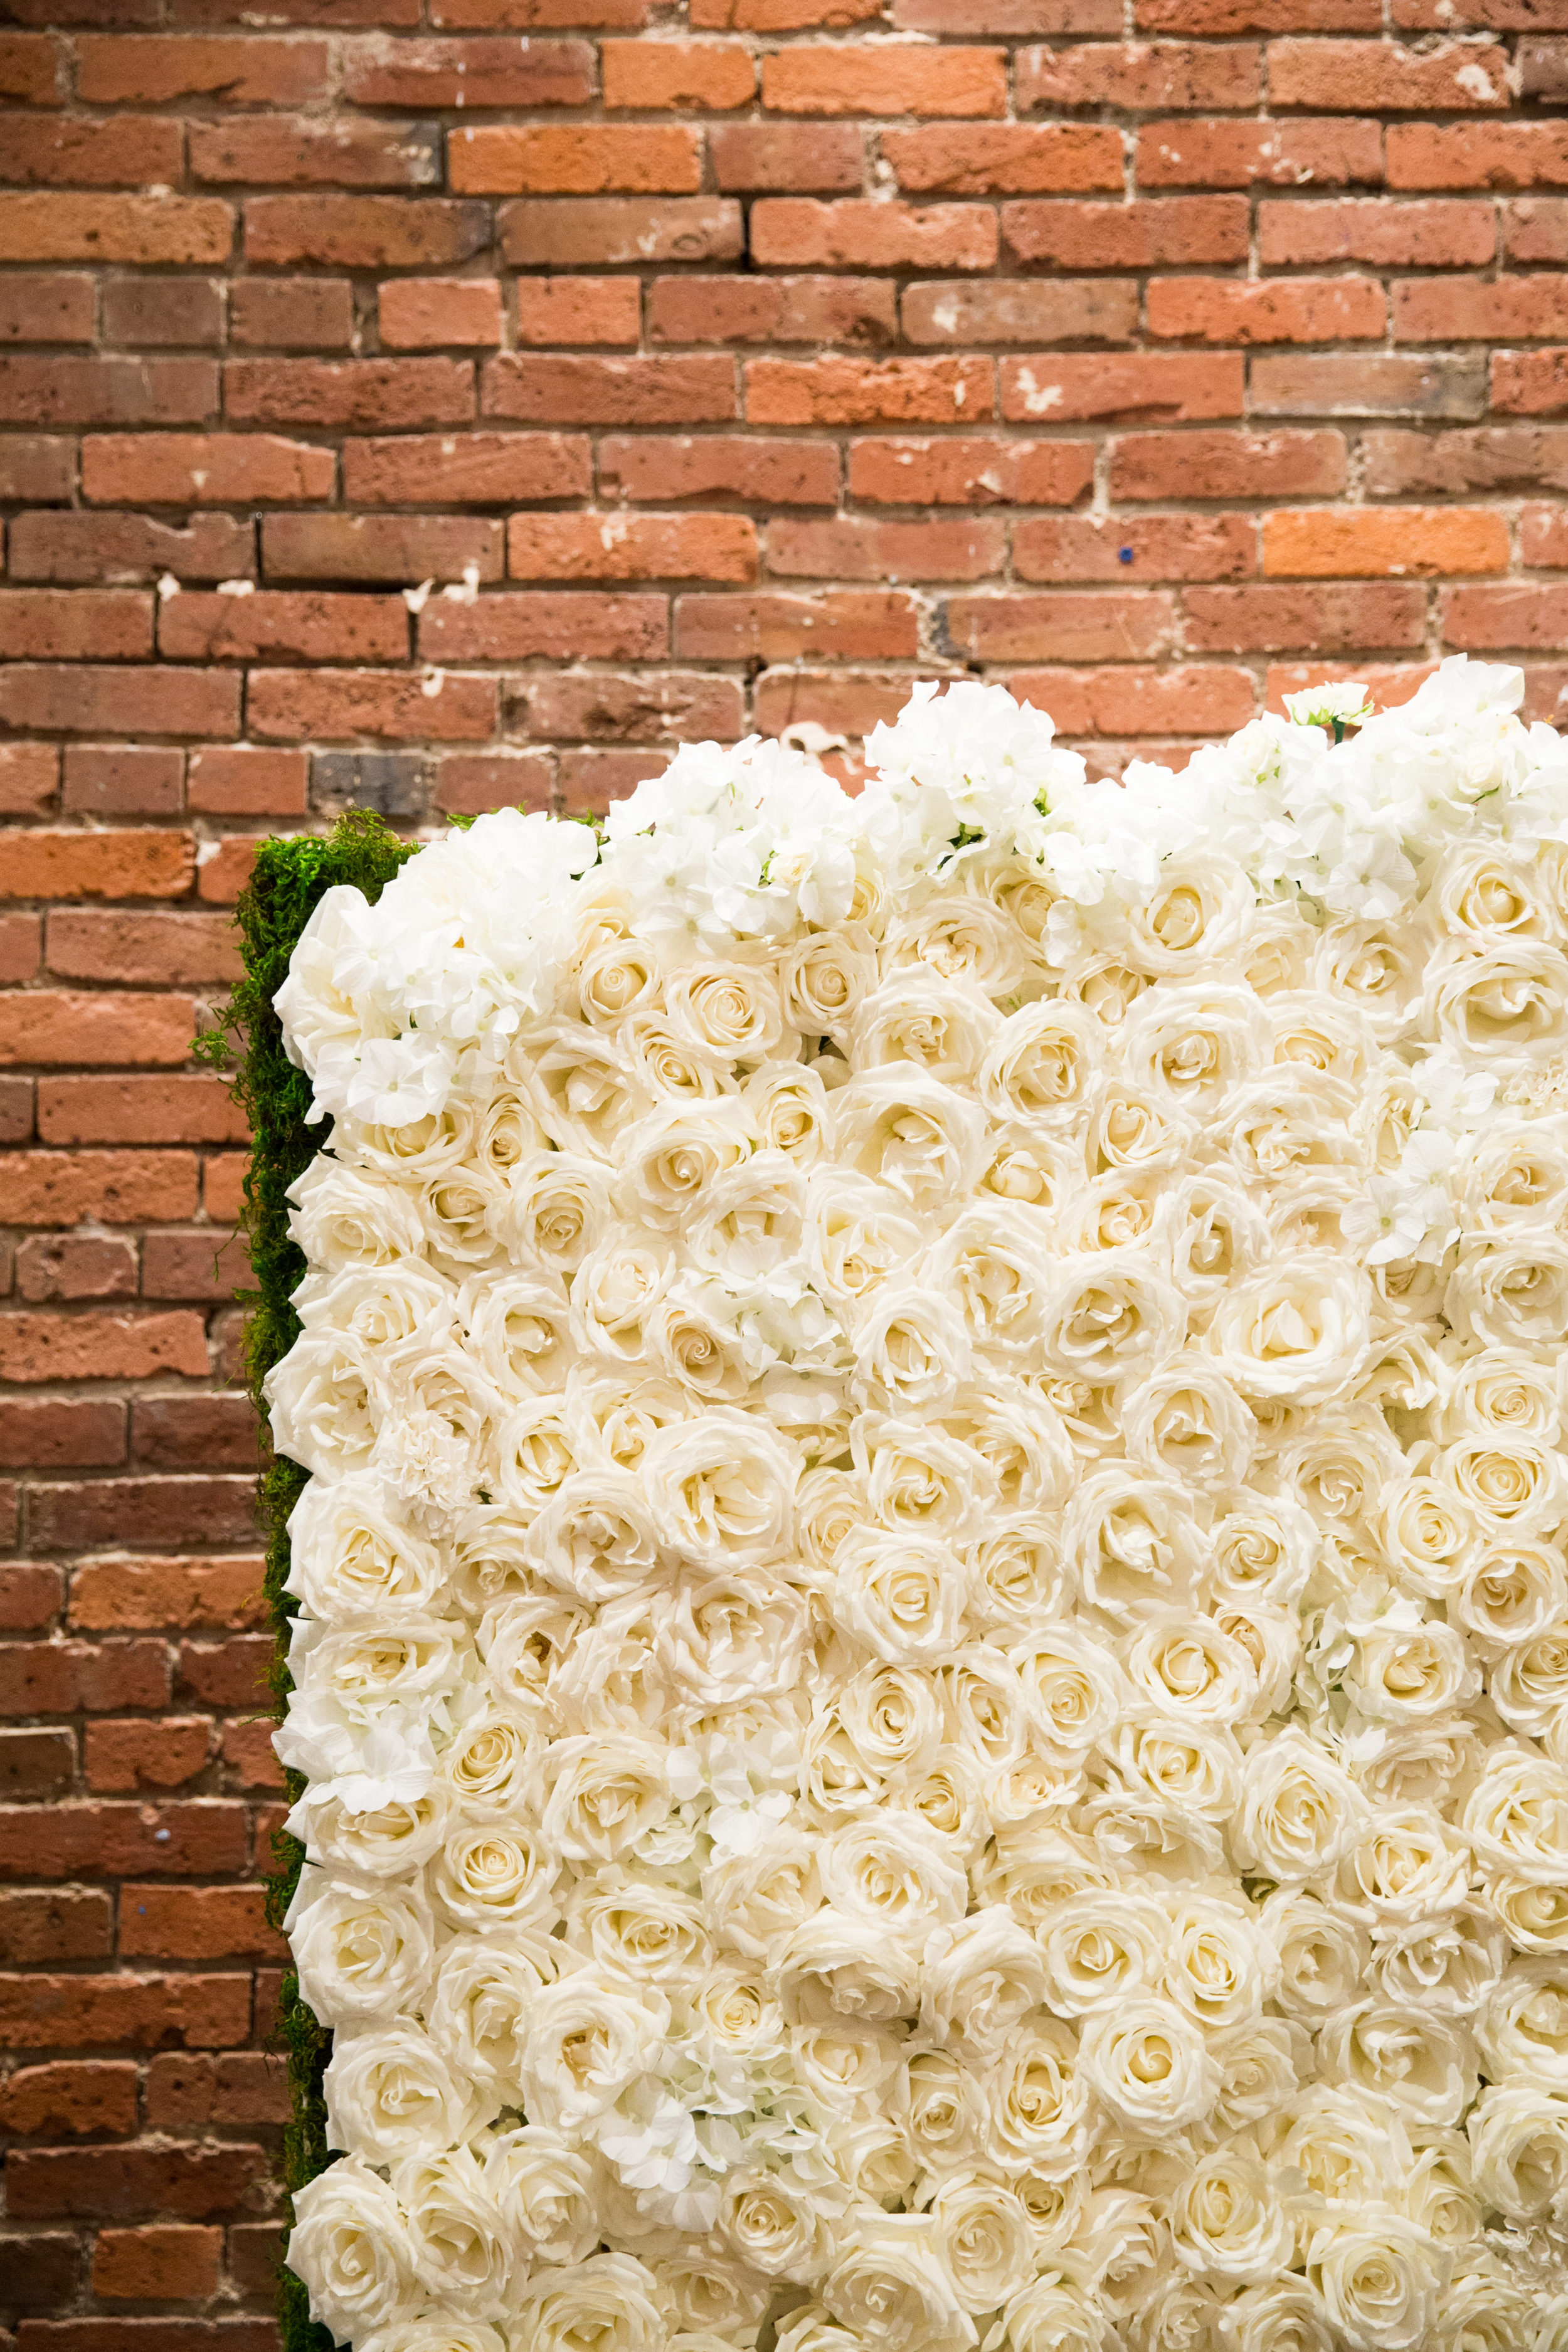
(932, 1658)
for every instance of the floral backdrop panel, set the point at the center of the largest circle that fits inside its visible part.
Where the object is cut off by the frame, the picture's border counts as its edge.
(933, 1638)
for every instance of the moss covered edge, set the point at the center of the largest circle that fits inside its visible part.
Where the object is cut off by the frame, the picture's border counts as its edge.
(289, 878)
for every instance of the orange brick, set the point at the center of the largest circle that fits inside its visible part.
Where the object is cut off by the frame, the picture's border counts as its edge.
(421, 314)
(554, 310)
(205, 469)
(1221, 154)
(1140, 77)
(1370, 542)
(712, 76)
(631, 547)
(1477, 155)
(798, 232)
(1271, 311)
(839, 77)
(1382, 78)
(835, 390)
(582, 159)
(1007, 158)
(1443, 233)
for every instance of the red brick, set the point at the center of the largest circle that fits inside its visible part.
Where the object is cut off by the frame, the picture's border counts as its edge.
(222, 1186)
(85, 698)
(1543, 537)
(362, 395)
(1444, 233)
(197, 1433)
(1232, 155)
(38, 1930)
(856, 547)
(39, 1767)
(1530, 384)
(1228, 466)
(295, 705)
(818, 310)
(554, 310)
(180, 1109)
(855, 625)
(477, 468)
(1516, 616)
(786, 157)
(850, 233)
(1535, 228)
(47, 625)
(120, 1188)
(425, 313)
(179, 949)
(380, 547)
(1269, 619)
(839, 390)
(125, 864)
(34, 467)
(75, 1266)
(269, 627)
(631, 547)
(97, 2183)
(43, 1347)
(782, 16)
(839, 77)
(126, 151)
(1230, 16)
(135, 1754)
(429, 73)
(21, 942)
(29, 782)
(1278, 310)
(364, 232)
(1148, 547)
(291, 314)
(1477, 155)
(689, 76)
(211, 469)
(254, 2251)
(1200, 699)
(225, 868)
(47, 1025)
(72, 2099)
(1369, 384)
(1165, 387)
(46, 308)
(469, 782)
(61, 1432)
(1469, 309)
(137, 1595)
(1011, 159)
(233, 1672)
(1084, 627)
(558, 389)
(165, 311)
(1382, 78)
(196, 1923)
(904, 471)
(242, 780)
(293, 152)
(77, 550)
(244, 1751)
(1140, 78)
(65, 1677)
(30, 69)
(577, 159)
(122, 779)
(167, 2261)
(229, 2087)
(762, 471)
(525, 625)
(1454, 464)
(143, 230)
(1159, 233)
(126, 69)
(647, 706)
(574, 232)
(103, 391)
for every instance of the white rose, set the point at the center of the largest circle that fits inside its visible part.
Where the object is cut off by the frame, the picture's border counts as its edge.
(463, 2251)
(350, 2244)
(1099, 1946)
(1323, 1950)
(1055, 2314)
(605, 1795)
(1227, 2220)
(723, 1486)
(900, 1596)
(609, 2300)
(891, 2284)
(1422, 2065)
(385, 1842)
(1381, 2279)
(1108, 1317)
(363, 1953)
(774, 2223)
(1297, 1333)
(483, 1994)
(496, 1875)
(825, 980)
(1511, 1292)
(925, 1141)
(390, 2094)
(349, 1558)
(1519, 2141)
(1146, 2060)
(588, 2037)
(1522, 2028)
(985, 2239)
(891, 1874)
(1134, 1542)
(979, 1978)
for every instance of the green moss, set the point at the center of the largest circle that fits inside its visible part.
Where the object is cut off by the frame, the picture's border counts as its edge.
(289, 879)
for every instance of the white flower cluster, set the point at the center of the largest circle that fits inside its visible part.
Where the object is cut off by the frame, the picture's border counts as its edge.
(932, 1654)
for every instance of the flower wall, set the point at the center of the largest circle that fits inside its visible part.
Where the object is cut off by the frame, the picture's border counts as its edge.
(933, 1627)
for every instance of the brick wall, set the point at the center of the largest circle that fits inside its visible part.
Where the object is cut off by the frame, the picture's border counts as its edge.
(720, 365)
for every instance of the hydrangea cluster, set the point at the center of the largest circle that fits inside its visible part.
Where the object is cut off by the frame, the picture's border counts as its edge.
(932, 1648)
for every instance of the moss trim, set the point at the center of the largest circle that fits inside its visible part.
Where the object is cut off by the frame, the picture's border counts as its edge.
(291, 875)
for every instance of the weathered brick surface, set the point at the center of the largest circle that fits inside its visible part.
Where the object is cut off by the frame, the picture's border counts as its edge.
(710, 365)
